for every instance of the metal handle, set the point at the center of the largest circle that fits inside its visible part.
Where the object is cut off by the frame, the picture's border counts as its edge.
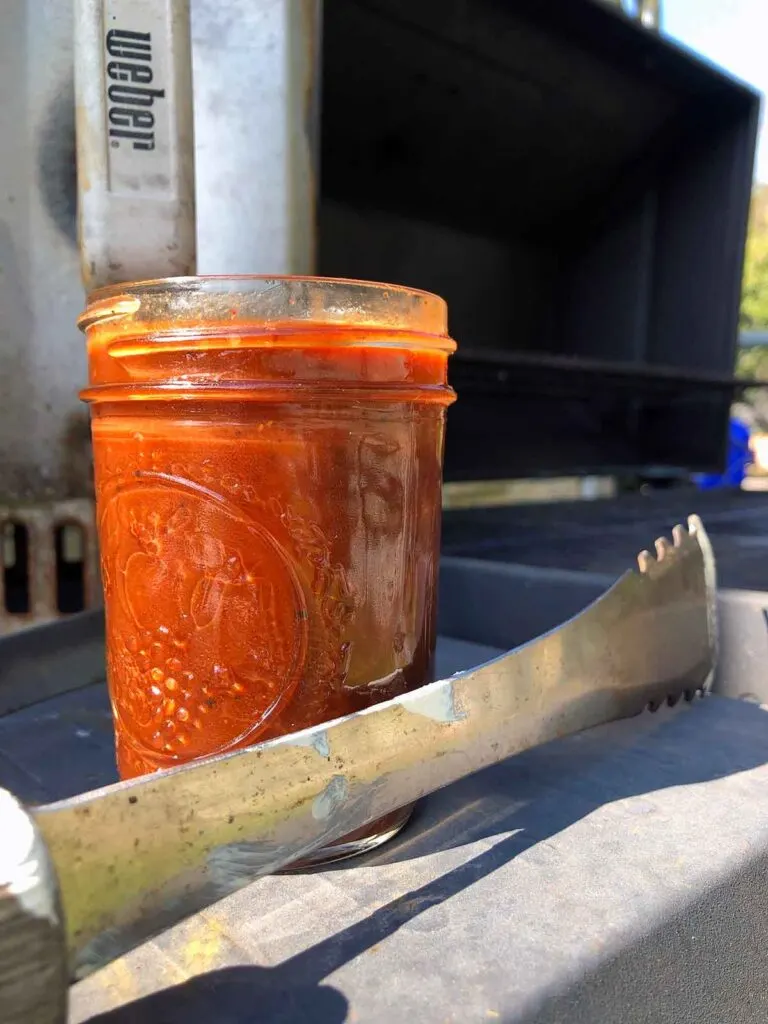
(33, 957)
(135, 140)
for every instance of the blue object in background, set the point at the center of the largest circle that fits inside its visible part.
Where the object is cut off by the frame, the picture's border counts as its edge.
(739, 457)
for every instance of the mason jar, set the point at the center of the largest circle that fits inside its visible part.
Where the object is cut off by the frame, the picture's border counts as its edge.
(268, 465)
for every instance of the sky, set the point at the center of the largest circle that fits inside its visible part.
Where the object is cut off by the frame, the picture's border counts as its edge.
(731, 33)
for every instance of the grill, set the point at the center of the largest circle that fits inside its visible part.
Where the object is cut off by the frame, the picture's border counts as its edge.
(49, 562)
(596, 297)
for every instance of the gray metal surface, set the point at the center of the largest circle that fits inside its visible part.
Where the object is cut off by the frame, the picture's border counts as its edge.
(133, 859)
(598, 878)
(741, 671)
(595, 536)
(503, 891)
(46, 661)
(256, 78)
(44, 438)
(619, 875)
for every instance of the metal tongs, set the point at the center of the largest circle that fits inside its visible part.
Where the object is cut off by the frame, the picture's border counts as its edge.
(84, 880)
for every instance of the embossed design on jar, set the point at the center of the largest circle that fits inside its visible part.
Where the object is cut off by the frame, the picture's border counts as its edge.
(333, 597)
(334, 600)
(232, 587)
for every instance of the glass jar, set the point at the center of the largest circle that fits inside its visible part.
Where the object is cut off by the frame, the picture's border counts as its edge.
(268, 465)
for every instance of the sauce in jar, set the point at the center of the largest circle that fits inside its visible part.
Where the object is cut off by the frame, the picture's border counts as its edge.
(268, 478)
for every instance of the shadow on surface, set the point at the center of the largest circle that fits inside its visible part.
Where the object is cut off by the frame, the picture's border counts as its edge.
(534, 796)
(291, 993)
(235, 995)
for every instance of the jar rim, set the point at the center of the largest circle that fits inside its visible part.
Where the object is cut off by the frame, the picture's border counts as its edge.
(267, 299)
(193, 282)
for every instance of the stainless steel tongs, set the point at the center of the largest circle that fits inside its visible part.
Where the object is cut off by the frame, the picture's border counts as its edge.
(84, 880)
